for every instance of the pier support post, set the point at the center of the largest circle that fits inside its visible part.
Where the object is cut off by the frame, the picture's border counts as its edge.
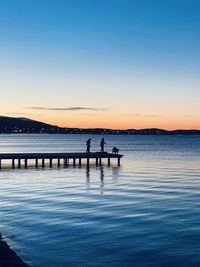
(36, 163)
(100, 161)
(19, 163)
(0, 163)
(118, 161)
(74, 162)
(97, 162)
(108, 162)
(26, 163)
(13, 163)
(50, 163)
(79, 162)
(58, 162)
(43, 163)
(88, 162)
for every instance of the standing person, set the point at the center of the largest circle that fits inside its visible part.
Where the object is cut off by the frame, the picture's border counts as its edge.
(102, 144)
(88, 144)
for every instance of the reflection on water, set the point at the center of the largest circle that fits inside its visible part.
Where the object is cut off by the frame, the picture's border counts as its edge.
(100, 170)
(144, 213)
(115, 171)
(102, 177)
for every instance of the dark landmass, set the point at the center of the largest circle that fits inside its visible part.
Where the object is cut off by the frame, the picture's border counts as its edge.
(8, 258)
(24, 125)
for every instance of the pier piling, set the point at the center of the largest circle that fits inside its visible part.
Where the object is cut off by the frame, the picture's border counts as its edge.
(58, 162)
(26, 163)
(43, 163)
(50, 163)
(19, 163)
(13, 163)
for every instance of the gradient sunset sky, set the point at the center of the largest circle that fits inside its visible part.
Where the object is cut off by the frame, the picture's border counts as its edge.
(101, 63)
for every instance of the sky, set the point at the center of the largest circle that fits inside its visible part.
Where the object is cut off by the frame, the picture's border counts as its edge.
(101, 63)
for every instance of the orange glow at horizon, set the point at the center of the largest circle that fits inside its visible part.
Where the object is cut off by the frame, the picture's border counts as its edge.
(167, 123)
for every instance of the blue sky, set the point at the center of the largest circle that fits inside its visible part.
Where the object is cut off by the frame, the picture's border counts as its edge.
(135, 62)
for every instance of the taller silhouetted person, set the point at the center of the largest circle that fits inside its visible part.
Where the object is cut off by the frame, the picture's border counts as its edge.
(102, 144)
(88, 144)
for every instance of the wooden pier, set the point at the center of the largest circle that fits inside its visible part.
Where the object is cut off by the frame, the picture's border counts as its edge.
(19, 160)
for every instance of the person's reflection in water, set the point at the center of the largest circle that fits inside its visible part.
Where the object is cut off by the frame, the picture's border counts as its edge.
(102, 179)
(102, 173)
(88, 177)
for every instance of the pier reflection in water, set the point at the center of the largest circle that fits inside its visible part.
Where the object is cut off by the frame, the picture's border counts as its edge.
(101, 171)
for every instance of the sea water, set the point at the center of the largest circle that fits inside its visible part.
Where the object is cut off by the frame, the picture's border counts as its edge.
(144, 213)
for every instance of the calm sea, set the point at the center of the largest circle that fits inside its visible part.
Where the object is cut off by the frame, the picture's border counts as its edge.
(144, 213)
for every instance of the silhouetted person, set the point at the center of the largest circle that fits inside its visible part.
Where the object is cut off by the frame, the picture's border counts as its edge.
(88, 144)
(102, 144)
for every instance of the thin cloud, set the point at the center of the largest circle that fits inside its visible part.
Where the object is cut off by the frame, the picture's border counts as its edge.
(151, 116)
(68, 108)
(146, 115)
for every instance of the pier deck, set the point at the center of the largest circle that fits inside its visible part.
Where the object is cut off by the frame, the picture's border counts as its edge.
(21, 159)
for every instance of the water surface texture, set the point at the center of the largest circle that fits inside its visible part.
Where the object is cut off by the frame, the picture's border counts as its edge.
(144, 213)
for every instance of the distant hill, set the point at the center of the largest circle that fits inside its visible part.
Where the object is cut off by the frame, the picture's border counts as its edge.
(25, 125)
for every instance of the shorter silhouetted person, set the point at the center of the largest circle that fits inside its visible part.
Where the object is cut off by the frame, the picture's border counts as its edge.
(102, 144)
(88, 144)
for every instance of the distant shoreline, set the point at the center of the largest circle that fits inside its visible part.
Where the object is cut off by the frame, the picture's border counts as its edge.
(10, 125)
(8, 257)
(144, 132)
